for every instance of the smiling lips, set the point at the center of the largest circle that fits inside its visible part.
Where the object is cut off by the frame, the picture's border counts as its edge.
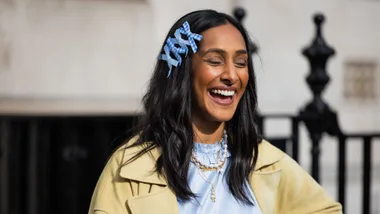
(222, 97)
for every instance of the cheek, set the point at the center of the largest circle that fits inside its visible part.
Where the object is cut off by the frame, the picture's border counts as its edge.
(199, 85)
(203, 76)
(244, 77)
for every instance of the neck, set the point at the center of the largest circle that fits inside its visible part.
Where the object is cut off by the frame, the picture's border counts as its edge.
(207, 132)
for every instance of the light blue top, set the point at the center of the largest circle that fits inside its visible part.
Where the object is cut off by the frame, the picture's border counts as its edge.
(225, 202)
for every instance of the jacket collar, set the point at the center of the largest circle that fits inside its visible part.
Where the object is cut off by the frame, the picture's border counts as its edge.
(143, 168)
(268, 155)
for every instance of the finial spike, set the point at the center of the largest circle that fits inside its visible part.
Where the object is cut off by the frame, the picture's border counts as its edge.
(239, 14)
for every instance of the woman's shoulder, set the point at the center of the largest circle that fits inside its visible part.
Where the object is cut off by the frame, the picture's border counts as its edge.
(136, 161)
(265, 146)
(274, 158)
(118, 155)
(271, 158)
(268, 155)
(297, 190)
(120, 180)
(129, 149)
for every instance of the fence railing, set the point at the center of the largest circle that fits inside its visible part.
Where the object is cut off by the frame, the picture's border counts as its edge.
(367, 140)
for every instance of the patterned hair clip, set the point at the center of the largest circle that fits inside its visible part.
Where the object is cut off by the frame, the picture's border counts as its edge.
(181, 48)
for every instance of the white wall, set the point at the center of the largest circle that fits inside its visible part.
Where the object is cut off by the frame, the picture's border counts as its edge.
(69, 49)
(106, 49)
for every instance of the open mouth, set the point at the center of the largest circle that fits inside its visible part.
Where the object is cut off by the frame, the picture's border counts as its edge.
(222, 97)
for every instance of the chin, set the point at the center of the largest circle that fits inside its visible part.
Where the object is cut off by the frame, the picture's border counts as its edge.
(222, 119)
(221, 116)
(213, 112)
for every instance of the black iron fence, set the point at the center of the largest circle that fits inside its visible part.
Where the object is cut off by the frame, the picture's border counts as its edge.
(51, 164)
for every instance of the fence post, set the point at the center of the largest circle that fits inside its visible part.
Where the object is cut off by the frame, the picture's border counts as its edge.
(239, 14)
(316, 114)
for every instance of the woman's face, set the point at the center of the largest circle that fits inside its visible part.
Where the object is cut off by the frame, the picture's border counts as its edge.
(220, 73)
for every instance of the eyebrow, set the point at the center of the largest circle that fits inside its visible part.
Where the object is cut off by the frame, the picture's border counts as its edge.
(221, 51)
(241, 52)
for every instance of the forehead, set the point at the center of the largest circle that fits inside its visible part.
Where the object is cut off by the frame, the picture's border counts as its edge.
(224, 37)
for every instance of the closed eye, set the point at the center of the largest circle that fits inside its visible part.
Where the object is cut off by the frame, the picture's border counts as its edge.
(214, 62)
(241, 64)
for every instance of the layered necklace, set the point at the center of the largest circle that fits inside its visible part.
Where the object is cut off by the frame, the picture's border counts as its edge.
(215, 166)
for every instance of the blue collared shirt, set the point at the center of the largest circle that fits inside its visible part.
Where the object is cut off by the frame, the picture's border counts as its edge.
(225, 202)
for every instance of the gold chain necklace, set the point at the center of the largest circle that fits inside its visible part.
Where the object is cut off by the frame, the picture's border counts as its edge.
(212, 195)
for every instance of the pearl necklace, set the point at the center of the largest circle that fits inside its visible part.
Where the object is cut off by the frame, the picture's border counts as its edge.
(217, 165)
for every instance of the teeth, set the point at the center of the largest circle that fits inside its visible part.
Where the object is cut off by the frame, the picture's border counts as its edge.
(223, 92)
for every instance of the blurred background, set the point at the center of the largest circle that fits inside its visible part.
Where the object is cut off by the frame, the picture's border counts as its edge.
(72, 73)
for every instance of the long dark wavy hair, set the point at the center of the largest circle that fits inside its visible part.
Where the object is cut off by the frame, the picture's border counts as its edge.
(166, 122)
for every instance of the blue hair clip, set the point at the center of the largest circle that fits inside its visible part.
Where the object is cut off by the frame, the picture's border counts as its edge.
(191, 36)
(170, 46)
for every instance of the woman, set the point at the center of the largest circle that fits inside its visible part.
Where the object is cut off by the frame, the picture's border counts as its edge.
(197, 149)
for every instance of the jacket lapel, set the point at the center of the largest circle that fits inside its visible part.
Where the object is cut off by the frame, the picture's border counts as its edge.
(143, 171)
(265, 186)
(163, 202)
(264, 181)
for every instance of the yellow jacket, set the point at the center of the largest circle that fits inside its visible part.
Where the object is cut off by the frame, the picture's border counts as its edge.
(281, 186)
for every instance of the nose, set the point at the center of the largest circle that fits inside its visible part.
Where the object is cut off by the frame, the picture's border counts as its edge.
(229, 75)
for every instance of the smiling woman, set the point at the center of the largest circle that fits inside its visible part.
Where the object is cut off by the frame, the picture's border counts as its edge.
(196, 148)
(220, 74)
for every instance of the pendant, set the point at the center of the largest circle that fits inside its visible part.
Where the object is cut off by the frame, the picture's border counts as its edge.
(213, 197)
